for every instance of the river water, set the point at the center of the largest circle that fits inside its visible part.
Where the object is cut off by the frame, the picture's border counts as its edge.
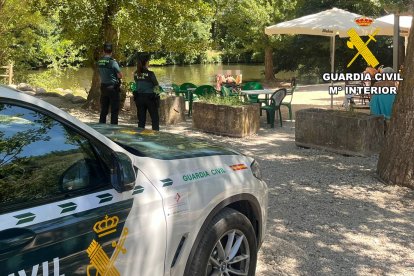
(198, 74)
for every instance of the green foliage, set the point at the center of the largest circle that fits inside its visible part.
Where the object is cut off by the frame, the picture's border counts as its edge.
(238, 33)
(230, 101)
(191, 58)
(47, 79)
(51, 80)
(397, 6)
(158, 61)
(210, 56)
(60, 34)
(17, 36)
(31, 37)
(364, 7)
(82, 21)
(310, 54)
(239, 27)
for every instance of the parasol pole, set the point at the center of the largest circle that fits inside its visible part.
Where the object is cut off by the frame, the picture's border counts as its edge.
(332, 63)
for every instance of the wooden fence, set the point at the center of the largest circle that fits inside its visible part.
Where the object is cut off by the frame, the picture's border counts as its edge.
(8, 74)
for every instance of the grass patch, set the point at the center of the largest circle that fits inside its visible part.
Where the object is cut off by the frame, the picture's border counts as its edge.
(229, 101)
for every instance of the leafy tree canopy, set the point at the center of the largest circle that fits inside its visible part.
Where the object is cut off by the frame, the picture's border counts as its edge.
(31, 36)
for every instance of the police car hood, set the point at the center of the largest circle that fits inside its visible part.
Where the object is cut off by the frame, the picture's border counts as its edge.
(159, 145)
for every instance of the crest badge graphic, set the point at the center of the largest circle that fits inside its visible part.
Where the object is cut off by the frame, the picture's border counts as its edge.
(99, 260)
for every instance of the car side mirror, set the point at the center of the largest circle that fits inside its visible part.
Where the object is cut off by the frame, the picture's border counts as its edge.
(122, 172)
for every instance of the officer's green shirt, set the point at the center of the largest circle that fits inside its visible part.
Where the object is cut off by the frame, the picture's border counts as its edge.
(108, 70)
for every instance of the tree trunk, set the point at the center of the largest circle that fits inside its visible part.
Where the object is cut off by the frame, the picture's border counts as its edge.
(95, 91)
(108, 34)
(2, 2)
(401, 52)
(269, 76)
(396, 161)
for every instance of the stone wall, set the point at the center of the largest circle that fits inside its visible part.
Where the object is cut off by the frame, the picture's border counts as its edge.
(235, 121)
(343, 132)
(172, 110)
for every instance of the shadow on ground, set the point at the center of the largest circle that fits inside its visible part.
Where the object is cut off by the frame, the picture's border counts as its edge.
(328, 214)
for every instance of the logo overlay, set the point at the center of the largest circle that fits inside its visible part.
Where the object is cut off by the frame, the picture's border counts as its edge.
(361, 77)
(362, 48)
(363, 80)
(99, 260)
(364, 21)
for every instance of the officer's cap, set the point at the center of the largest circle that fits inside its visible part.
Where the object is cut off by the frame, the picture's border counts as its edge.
(107, 47)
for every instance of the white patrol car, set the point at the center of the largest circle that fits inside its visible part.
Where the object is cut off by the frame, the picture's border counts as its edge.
(114, 200)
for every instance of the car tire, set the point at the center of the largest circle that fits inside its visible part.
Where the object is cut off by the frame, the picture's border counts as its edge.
(228, 244)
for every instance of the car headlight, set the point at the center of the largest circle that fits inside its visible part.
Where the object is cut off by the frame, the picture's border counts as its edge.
(256, 170)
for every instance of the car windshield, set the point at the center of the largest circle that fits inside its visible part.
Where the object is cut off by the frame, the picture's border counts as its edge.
(159, 145)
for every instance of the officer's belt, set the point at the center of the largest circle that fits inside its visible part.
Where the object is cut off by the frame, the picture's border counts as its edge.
(108, 84)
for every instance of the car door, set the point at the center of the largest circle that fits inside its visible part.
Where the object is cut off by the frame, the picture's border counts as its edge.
(59, 214)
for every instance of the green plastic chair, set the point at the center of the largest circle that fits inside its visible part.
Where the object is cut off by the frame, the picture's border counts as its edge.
(132, 86)
(289, 96)
(176, 88)
(253, 86)
(275, 103)
(184, 90)
(201, 91)
(178, 91)
(226, 92)
(186, 85)
(204, 90)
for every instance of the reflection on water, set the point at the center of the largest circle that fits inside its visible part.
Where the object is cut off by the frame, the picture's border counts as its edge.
(198, 74)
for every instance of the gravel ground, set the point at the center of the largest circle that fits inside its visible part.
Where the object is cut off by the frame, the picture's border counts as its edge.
(328, 213)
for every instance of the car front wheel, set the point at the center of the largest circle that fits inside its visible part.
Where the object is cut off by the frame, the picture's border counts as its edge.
(228, 247)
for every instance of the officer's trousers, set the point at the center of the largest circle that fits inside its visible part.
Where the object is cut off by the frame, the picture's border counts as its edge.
(110, 96)
(150, 102)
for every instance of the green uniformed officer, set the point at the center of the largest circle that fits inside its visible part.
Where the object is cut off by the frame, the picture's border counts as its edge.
(145, 96)
(111, 76)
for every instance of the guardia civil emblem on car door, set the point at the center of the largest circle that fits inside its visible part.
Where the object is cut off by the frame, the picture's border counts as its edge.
(100, 263)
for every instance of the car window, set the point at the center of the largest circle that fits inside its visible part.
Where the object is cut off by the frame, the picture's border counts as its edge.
(42, 159)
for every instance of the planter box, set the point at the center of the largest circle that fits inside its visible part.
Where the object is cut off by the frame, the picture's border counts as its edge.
(235, 121)
(172, 110)
(350, 133)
